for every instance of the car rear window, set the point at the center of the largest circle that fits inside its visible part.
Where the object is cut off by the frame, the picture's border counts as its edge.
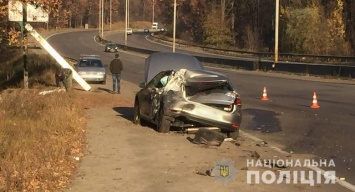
(90, 63)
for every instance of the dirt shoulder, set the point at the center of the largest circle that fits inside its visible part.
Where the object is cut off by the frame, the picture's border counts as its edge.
(122, 156)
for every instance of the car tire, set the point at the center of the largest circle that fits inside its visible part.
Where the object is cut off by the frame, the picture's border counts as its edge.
(234, 134)
(136, 116)
(163, 125)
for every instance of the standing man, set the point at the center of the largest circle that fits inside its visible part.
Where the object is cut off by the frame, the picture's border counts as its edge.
(116, 67)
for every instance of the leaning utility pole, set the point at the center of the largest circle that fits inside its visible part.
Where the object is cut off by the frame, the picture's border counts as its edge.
(61, 61)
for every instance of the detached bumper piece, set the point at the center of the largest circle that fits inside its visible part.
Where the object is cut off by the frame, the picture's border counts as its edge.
(208, 137)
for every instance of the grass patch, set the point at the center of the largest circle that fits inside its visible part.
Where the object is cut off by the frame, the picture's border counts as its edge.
(41, 69)
(40, 137)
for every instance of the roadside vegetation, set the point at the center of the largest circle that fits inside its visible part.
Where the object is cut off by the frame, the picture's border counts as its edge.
(318, 27)
(41, 70)
(41, 136)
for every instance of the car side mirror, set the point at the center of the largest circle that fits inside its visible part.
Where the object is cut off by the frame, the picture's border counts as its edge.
(142, 85)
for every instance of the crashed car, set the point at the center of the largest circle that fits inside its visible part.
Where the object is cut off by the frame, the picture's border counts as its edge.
(186, 97)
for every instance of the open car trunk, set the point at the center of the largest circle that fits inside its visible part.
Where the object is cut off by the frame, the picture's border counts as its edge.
(210, 93)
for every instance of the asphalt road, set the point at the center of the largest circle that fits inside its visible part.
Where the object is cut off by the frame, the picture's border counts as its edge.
(286, 119)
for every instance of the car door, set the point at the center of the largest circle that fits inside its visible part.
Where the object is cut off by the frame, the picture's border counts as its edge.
(151, 96)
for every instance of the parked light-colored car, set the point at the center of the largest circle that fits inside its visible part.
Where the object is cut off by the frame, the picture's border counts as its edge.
(91, 69)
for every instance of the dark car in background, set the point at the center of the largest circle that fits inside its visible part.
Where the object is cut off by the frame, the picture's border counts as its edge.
(91, 69)
(179, 92)
(111, 47)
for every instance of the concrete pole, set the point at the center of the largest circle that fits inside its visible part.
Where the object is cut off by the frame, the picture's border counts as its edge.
(102, 19)
(174, 31)
(126, 22)
(153, 12)
(23, 46)
(276, 32)
(128, 15)
(61, 61)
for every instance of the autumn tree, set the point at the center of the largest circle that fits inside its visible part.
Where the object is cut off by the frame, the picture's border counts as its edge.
(9, 31)
(253, 25)
(349, 18)
(317, 28)
(306, 30)
(214, 31)
(336, 25)
(242, 24)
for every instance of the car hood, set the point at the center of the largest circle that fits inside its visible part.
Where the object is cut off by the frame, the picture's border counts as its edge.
(91, 69)
(162, 61)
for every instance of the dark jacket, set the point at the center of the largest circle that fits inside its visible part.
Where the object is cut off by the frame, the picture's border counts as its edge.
(116, 66)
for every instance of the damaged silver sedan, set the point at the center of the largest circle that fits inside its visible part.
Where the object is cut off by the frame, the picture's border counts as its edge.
(189, 99)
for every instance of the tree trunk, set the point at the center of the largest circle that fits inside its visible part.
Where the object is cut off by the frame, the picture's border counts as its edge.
(223, 10)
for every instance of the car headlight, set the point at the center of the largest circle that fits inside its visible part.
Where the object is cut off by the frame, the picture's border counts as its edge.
(101, 73)
(81, 73)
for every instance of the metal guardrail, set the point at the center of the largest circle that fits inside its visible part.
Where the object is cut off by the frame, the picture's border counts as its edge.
(291, 57)
(339, 70)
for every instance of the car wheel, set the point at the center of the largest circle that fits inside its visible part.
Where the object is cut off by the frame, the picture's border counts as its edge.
(136, 116)
(163, 125)
(234, 134)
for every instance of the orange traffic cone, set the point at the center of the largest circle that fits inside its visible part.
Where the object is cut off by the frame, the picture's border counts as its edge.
(314, 102)
(264, 98)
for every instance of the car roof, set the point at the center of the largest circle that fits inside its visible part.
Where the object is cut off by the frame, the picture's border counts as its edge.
(92, 57)
(162, 61)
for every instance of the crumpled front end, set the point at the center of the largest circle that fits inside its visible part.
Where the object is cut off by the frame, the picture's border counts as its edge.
(210, 103)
